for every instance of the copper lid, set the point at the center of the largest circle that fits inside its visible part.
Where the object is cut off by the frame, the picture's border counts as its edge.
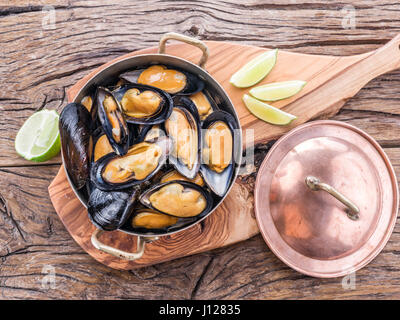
(326, 198)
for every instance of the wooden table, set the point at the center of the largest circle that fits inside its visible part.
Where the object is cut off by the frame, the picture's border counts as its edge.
(40, 60)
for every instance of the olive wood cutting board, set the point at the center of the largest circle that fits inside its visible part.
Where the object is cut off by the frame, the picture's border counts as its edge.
(330, 80)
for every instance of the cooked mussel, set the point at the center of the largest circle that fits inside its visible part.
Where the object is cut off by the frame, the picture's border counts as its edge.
(181, 199)
(143, 104)
(218, 150)
(75, 132)
(205, 106)
(188, 104)
(140, 163)
(173, 175)
(151, 133)
(112, 120)
(152, 220)
(171, 80)
(184, 130)
(109, 210)
(87, 101)
(101, 145)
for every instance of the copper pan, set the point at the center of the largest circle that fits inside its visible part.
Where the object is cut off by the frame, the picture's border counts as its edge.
(110, 74)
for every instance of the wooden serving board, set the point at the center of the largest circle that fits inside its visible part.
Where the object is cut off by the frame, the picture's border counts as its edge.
(330, 82)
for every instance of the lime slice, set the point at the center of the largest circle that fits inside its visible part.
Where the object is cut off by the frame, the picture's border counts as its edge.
(39, 139)
(278, 90)
(266, 112)
(255, 70)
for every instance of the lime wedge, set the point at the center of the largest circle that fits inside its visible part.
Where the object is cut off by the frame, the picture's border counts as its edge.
(255, 70)
(266, 112)
(277, 90)
(39, 139)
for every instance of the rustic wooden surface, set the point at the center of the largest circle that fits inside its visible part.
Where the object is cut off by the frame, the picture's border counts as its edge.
(40, 63)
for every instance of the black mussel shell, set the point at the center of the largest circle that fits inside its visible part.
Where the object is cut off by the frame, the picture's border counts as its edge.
(134, 132)
(75, 131)
(130, 226)
(109, 210)
(186, 106)
(193, 85)
(167, 174)
(219, 182)
(150, 133)
(96, 173)
(144, 198)
(162, 113)
(121, 146)
(96, 135)
(165, 224)
(213, 105)
(117, 84)
(131, 76)
(89, 101)
(98, 132)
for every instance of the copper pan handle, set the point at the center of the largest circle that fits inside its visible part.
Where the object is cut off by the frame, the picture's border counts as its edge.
(141, 243)
(192, 41)
(315, 184)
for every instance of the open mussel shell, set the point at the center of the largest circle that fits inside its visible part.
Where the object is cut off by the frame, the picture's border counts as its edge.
(219, 177)
(109, 210)
(183, 128)
(139, 164)
(75, 131)
(150, 133)
(101, 145)
(177, 198)
(204, 103)
(142, 104)
(89, 101)
(112, 120)
(152, 220)
(172, 175)
(188, 104)
(169, 79)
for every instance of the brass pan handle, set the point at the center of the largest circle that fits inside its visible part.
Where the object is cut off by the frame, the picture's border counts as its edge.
(141, 243)
(192, 41)
(315, 184)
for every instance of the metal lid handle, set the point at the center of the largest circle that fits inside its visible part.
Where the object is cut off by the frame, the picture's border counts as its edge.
(315, 184)
(193, 41)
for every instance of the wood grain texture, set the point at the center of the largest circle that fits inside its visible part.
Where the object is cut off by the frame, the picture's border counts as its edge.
(38, 65)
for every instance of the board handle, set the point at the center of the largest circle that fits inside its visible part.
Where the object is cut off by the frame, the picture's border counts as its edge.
(141, 243)
(392, 50)
(382, 60)
(192, 41)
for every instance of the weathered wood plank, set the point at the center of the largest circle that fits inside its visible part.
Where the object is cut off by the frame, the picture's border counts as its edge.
(39, 64)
